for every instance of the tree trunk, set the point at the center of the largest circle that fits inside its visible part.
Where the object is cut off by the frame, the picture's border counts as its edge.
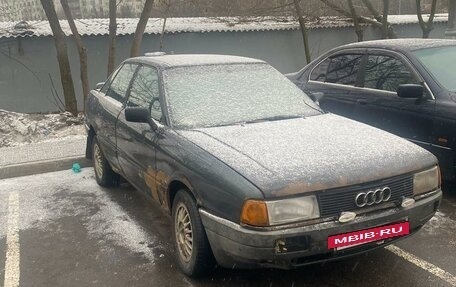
(81, 49)
(162, 35)
(358, 29)
(112, 36)
(385, 24)
(372, 10)
(62, 57)
(302, 23)
(428, 26)
(389, 30)
(136, 46)
(451, 14)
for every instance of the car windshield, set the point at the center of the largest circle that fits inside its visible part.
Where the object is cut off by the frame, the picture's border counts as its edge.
(216, 95)
(441, 63)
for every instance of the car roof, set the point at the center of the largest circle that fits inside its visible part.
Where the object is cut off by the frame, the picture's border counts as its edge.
(180, 60)
(407, 44)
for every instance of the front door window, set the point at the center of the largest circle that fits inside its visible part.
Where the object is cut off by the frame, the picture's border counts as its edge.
(386, 73)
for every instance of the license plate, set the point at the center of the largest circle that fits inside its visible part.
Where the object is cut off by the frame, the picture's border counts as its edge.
(355, 238)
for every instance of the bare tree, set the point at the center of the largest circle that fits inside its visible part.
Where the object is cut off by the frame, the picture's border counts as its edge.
(426, 26)
(302, 24)
(358, 29)
(62, 57)
(387, 29)
(377, 21)
(145, 14)
(81, 48)
(112, 35)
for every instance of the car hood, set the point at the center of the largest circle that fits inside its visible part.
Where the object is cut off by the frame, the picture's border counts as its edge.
(307, 154)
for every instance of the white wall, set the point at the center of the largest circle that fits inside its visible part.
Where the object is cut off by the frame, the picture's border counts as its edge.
(25, 84)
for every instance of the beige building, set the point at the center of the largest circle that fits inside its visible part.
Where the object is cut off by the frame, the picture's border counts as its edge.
(100, 8)
(12, 10)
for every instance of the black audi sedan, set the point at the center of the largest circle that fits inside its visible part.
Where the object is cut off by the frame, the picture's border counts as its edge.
(404, 86)
(250, 169)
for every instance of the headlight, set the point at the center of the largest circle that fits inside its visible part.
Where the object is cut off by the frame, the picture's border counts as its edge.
(267, 213)
(426, 181)
(292, 210)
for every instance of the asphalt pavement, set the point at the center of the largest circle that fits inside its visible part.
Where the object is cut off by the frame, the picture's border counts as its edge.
(64, 230)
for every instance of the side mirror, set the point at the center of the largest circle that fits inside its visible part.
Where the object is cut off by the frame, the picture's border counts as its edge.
(410, 91)
(99, 85)
(137, 115)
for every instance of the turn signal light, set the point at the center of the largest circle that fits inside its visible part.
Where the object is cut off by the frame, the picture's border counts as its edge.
(255, 212)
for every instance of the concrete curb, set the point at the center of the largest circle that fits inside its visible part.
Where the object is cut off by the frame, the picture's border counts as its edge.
(38, 167)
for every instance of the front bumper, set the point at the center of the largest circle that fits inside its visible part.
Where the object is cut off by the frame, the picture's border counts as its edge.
(236, 246)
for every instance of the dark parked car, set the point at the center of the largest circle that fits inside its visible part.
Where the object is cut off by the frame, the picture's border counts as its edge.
(404, 86)
(252, 172)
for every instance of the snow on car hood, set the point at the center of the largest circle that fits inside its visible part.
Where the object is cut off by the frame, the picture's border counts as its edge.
(308, 154)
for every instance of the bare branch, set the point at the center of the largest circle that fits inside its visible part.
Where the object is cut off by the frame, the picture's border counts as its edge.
(372, 10)
(362, 19)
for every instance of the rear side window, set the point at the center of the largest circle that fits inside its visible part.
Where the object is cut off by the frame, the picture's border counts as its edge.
(119, 86)
(319, 72)
(145, 93)
(343, 69)
(386, 73)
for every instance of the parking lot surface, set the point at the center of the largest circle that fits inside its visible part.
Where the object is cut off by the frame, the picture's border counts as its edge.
(62, 229)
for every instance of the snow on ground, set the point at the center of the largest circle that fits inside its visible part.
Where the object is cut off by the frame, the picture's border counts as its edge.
(50, 197)
(18, 129)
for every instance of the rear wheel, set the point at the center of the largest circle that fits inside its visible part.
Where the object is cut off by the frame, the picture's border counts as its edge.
(104, 174)
(194, 254)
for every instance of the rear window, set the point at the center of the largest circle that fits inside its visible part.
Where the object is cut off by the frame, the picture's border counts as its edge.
(343, 69)
(319, 72)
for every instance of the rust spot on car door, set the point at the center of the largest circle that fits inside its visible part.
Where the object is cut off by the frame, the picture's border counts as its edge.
(156, 180)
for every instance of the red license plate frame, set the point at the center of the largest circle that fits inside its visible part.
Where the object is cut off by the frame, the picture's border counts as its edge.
(364, 236)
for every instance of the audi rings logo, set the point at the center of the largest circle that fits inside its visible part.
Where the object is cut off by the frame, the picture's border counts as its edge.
(373, 197)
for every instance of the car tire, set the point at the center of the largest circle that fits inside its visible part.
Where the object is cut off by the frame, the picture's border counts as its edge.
(194, 256)
(104, 175)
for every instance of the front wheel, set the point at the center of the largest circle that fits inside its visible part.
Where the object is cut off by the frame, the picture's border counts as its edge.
(194, 254)
(104, 174)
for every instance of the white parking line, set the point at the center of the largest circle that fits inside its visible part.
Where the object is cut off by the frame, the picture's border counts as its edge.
(431, 268)
(12, 242)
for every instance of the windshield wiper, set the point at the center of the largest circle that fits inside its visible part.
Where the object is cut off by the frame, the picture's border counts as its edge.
(274, 118)
(313, 108)
(268, 119)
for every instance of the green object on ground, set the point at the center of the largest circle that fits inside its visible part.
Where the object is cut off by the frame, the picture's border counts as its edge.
(76, 167)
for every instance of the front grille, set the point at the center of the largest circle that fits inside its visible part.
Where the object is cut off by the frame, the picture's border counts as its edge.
(334, 201)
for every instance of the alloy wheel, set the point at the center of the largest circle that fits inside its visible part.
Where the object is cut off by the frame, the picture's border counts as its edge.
(184, 233)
